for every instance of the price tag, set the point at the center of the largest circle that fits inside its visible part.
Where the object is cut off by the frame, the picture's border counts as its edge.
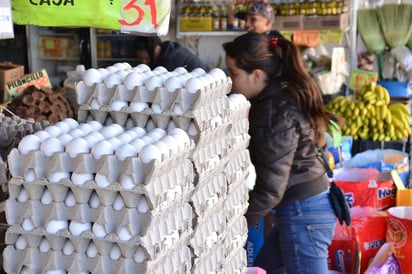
(6, 22)
(333, 37)
(139, 16)
(308, 38)
(359, 78)
(338, 64)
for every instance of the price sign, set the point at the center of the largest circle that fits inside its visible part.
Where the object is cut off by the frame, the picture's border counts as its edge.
(308, 38)
(6, 23)
(139, 16)
(359, 78)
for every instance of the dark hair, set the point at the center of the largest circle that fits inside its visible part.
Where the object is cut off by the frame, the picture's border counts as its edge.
(148, 43)
(282, 62)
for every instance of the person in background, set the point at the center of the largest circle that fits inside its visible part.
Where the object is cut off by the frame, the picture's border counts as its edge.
(259, 17)
(153, 52)
(287, 124)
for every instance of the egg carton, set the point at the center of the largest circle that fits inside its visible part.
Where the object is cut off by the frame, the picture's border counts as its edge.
(3, 173)
(236, 202)
(210, 262)
(239, 127)
(236, 262)
(239, 110)
(99, 222)
(155, 234)
(237, 166)
(235, 236)
(176, 184)
(99, 94)
(13, 129)
(30, 260)
(207, 193)
(208, 232)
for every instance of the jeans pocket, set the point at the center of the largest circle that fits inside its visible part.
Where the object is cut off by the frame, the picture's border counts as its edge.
(321, 236)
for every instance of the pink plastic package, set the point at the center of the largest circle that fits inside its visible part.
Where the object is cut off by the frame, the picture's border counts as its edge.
(390, 266)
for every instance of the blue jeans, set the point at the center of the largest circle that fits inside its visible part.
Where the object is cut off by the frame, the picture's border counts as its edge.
(299, 240)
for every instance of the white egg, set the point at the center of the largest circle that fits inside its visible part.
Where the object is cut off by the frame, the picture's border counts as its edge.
(70, 200)
(20, 243)
(102, 180)
(65, 138)
(150, 124)
(138, 106)
(95, 125)
(152, 83)
(77, 146)
(139, 130)
(122, 73)
(150, 153)
(116, 143)
(118, 105)
(64, 127)
(127, 182)
(163, 148)
(97, 135)
(51, 145)
(181, 70)
(136, 69)
(30, 176)
(86, 128)
(198, 71)
(112, 69)
(218, 74)
(171, 142)
(98, 230)
(142, 205)
(139, 255)
(126, 65)
(147, 139)
(180, 134)
(71, 122)
(46, 197)
(102, 148)
(103, 72)
(126, 137)
(53, 226)
(132, 80)
(94, 104)
(53, 131)
(112, 80)
(44, 246)
(124, 234)
(57, 176)
(193, 85)
(177, 109)
(115, 253)
(81, 178)
(160, 69)
(92, 76)
(23, 195)
(91, 140)
(29, 143)
(119, 66)
(170, 125)
(143, 67)
(68, 248)
(157, 108)
(91, 250)
(210, 79)
(94, 201)
(138, 144)
(77, 228)
(42, 134)
(76, 133)
(27, 224)
(118, 203)
(192, 129)
(125, 151)
(173, 83)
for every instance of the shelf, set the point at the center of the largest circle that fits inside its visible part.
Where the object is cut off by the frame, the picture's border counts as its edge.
(72, 59)
(209, 33)
(116, 36)
(118, 59)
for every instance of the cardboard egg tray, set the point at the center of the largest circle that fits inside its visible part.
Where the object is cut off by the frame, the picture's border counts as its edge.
(31, 260)
(210, 262)
(155, 232)
(13, 129)
(235, 235)
(236, 202)
(189, 101)
(237, 166)
(236, 262)
(207, 193)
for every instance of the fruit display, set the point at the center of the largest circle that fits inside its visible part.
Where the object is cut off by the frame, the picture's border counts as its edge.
(370, 115)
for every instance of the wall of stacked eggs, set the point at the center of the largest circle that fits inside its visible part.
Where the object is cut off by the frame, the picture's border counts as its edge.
(149, 179)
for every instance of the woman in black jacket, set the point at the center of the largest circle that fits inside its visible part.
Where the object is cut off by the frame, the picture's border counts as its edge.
(287, 127)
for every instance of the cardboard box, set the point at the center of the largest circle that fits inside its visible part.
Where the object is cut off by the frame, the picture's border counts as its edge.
(9, 72)
(195, 24)
(340, 21)
(15, 88)
(294, 22)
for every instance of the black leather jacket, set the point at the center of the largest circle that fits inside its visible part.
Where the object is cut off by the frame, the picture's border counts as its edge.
(288, 165)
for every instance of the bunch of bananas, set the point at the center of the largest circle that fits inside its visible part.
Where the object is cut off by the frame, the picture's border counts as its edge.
(370, 116)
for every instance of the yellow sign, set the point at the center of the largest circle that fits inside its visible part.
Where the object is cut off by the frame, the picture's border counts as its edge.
(359, 78)
(140, 16)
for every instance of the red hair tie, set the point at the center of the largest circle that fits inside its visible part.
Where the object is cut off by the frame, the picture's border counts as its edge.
(274, 41)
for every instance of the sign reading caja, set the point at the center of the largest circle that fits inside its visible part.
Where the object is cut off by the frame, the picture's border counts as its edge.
(138, 16)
